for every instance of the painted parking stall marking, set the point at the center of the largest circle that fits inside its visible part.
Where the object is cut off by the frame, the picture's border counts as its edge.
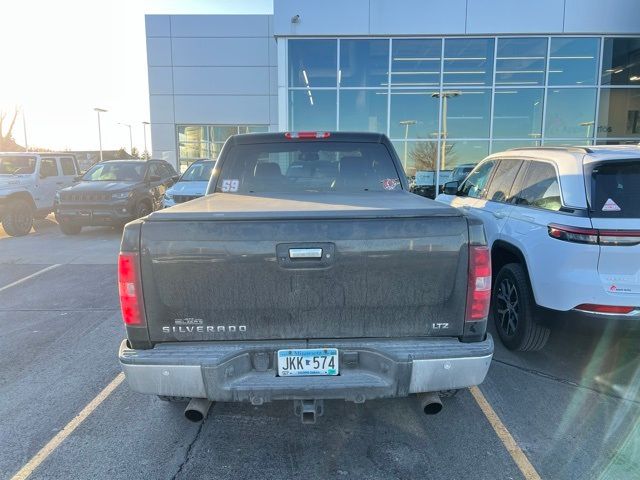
(69, 428)
(505, 436)
(29, 277)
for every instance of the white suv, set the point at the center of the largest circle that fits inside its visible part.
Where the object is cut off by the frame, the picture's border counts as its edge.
(564, 229)
(28, 185)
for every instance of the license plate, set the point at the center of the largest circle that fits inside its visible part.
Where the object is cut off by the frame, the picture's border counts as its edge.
(316, 361)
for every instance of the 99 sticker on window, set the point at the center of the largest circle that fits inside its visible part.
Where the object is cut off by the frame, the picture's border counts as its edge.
(230, 185)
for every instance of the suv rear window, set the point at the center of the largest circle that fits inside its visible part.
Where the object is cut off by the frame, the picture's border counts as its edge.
(307, 167)
(615, 190)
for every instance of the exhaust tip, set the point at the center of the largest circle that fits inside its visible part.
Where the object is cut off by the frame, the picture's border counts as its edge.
(432, 408)
(193, 415)
(197, 409)
(430, 403)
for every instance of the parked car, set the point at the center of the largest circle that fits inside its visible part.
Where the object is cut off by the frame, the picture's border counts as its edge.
(192, 184)
(28, 185)
(308, 272)
(461, 171)
(112, 193)
(563, 225)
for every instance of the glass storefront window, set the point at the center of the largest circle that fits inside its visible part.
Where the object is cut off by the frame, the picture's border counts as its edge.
(206, 141)
(363, 110)
(219, 133)
(194, 150)
(521, 61)
(517, 113)
(467, 113)
(252, 129)
(363, 63)
(573, 61)
(312, 110)
(502, 145)
(415, 62)
(570, 113)
(567, 143)
(192, 133)
(468, 61)
(417, 156)
(619, 114)
(313, 63)
(414, 114)
(463, 152)
(397, 86)
(621, 61)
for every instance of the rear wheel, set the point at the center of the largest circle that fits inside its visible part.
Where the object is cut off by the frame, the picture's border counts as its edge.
(69, 228)
(18, 219)
(514, 311)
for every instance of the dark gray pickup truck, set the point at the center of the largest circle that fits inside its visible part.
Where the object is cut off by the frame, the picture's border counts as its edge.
(308, 272)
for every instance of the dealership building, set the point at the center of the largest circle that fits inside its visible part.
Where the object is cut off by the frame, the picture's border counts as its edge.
(447, 81)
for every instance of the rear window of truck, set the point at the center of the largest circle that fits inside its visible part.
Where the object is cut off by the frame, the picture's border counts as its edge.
(307, 167)
(615, 190)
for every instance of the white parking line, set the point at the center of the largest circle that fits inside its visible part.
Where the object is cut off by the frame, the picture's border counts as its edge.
(29, 277)
(55, 442)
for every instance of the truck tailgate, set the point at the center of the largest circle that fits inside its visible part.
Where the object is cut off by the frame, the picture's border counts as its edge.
(216, 276)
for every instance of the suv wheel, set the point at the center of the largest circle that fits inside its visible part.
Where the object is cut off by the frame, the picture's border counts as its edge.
(69, 228)
(514, 311)
(19, 218)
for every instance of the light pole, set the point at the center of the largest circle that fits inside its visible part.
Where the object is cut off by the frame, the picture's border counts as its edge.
(130, 136)
(407, 124)
(443, 144)
(144, 134)
(537, 137)
(99, 111)
(24, 129)
(588, 125)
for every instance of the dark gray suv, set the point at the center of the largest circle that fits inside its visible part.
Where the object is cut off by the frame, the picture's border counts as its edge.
(113, 193)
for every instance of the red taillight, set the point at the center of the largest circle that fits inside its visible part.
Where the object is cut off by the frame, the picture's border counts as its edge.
(610, 309)
(593, 236)
(479, 288)
(573, 234)
(129, 289)
(307, 135)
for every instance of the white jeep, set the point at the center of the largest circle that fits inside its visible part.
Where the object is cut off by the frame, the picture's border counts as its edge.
(563, 225)
(28, 185)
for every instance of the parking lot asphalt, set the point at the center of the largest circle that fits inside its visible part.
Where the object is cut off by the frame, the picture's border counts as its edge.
(572, 409)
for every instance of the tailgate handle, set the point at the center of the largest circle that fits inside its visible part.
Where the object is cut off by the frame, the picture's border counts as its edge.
(305, 253)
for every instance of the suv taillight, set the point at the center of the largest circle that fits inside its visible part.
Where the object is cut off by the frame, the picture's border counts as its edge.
(594, 236)
(129, 287)
(479, 289)
(573, 234)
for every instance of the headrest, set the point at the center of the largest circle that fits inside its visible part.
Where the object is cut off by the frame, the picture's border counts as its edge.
(267, 169)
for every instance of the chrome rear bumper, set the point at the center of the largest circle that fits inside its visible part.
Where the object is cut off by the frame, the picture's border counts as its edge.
(245, 371)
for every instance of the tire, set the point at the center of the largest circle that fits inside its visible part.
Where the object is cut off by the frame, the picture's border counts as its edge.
(143, 209)
(69, 228)
(18, 219)
(514, 311)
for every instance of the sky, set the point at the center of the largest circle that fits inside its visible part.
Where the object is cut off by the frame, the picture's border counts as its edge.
(62, 58)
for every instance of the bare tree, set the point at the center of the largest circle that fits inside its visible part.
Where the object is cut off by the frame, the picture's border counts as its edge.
(424, 156)
(7, 142)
